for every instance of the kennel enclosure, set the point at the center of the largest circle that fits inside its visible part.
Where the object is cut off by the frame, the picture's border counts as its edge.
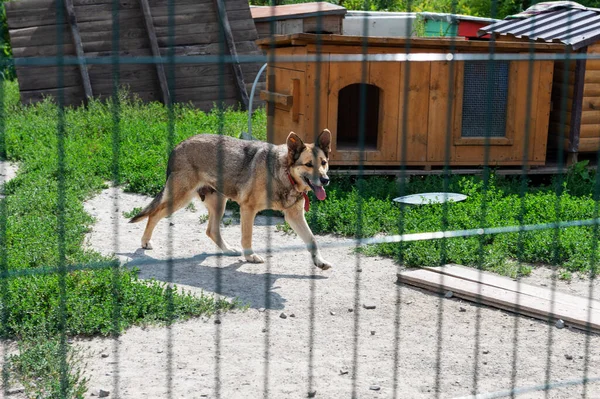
(443, 100)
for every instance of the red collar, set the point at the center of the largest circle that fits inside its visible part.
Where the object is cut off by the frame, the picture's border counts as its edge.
(306, 200)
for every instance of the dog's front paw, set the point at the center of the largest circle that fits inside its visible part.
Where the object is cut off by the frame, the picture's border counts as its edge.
(146, 245)
(253, 258)
(323, 264)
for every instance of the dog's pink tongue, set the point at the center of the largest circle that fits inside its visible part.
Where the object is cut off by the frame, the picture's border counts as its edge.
(320, 192)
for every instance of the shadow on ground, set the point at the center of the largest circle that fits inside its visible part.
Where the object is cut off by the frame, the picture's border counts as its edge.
(250, 289)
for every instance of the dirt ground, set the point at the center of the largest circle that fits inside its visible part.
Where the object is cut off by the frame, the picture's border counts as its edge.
(329, 343)
(7, 171)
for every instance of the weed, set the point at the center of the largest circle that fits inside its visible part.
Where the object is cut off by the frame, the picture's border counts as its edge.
(191, 207)
(565, 275)
(284, 228)
(203, 218)
(43, 374)
(132, 213)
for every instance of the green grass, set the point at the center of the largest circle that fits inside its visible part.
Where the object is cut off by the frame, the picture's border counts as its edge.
(43, 220)
(497, 204)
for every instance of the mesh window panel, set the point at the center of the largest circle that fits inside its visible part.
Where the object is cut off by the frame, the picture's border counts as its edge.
(483, 111)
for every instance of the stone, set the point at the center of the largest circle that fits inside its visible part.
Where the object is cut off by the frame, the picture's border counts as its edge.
(283, 315)
(369, 306)
(15, 391)
(101, 393)
(560, 323)
(448, 294)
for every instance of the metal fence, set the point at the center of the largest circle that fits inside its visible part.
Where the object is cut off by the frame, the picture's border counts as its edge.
(354, 331)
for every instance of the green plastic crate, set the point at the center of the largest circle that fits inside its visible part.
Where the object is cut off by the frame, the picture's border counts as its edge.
(437, 28)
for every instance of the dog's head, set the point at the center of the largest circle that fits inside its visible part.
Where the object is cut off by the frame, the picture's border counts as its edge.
(308, 163)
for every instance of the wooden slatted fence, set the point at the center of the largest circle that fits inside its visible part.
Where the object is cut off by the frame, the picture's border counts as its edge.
(143, 31)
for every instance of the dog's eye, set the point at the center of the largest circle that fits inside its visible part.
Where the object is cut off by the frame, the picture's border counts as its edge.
(309, 164)
(323, 163)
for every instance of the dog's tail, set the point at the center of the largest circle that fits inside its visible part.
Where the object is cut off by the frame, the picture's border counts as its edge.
(144, 213)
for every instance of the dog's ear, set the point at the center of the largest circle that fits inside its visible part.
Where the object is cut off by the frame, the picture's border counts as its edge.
(295, 147)
(324, 142)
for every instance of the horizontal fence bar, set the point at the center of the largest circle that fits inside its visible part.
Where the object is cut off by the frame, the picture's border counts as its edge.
(395, 57)
(396, 238)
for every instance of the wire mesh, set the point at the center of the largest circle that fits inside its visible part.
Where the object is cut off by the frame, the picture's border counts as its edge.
(495, 86)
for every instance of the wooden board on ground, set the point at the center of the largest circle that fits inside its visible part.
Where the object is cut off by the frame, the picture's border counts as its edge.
(504, 293)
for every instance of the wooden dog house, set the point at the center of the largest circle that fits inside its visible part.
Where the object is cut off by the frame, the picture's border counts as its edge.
(297, 103)
(575, 114)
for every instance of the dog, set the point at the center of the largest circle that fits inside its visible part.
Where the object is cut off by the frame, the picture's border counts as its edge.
(256, 175)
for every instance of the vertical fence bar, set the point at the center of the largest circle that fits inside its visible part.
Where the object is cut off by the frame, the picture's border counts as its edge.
(406, 68)
(224, 30)
(316, 128)
(522, 211)
(559, 191)
(360, 188)
(115, 105)
(170, 187)
(490, 73)
(444, 222)
(60, 202)
(270, 110)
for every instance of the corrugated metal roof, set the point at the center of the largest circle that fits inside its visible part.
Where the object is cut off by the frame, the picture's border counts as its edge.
(573, 27)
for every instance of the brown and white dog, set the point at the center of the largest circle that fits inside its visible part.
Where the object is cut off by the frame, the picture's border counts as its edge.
(255, 174)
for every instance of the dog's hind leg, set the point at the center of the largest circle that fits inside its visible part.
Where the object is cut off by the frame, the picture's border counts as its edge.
(215, 203)
(170, 203)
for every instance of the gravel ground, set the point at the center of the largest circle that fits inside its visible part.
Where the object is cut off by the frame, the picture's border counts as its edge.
(329, 345)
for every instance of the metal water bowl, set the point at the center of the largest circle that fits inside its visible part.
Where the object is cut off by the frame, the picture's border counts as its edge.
(430, 198)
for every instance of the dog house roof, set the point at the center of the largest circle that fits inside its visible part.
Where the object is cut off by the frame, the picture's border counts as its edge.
(292, 11)
(563, 22)
(304, 39)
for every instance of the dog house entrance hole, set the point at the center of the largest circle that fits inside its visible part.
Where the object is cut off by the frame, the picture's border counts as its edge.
(349, 116)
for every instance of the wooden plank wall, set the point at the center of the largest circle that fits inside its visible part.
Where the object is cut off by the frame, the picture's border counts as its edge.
(589, 127)
(589, 133)
(34, 32)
